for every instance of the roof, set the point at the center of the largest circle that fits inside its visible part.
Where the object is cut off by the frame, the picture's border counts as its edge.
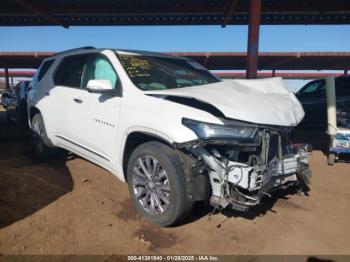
(177, 12)
(219, 60)
(22, 59)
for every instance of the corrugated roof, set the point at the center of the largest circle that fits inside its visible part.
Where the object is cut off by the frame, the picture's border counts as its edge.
(161, 12)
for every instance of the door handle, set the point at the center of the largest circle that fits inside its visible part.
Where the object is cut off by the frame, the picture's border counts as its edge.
(78, 100)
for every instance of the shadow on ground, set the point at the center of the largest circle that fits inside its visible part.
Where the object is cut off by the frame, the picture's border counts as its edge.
(318, 259)
(27, 184)
(201, 209)
(9, 131)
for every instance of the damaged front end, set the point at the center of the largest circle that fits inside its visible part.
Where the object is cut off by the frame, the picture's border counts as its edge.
(244, 162)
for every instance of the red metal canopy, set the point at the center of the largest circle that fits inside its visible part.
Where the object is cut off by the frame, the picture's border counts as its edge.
(219, 60)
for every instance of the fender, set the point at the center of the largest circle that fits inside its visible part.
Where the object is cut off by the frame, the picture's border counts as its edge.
(143, 130)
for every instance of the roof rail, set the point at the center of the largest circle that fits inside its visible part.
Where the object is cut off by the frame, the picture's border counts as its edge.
(74, 49)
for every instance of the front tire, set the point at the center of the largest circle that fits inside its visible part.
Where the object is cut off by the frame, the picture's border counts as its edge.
(157, 184)
(42, 145)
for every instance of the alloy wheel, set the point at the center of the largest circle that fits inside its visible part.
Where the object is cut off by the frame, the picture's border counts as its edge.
(151, 185)
(38, 133)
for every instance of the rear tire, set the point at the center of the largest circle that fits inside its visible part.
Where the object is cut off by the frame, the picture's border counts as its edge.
(42, 145)
(157, 184)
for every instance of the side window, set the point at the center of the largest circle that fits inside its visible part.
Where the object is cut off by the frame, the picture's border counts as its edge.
(99, 68)
(44, 67)
(342, 86)
(70, 71)
(316, 88)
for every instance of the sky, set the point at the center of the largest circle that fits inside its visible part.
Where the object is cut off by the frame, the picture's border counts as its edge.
(176, 38)
(298, 38)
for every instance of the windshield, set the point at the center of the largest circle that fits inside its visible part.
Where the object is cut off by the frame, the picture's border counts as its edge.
(157, 73)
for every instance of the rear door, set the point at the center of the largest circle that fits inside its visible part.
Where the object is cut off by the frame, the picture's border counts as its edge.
(38, 94)
(64, 95)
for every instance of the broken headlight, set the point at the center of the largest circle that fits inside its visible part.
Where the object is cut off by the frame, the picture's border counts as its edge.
(214, 131)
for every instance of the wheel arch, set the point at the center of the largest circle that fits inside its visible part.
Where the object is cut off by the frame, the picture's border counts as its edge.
(32, 112)
(136, 138)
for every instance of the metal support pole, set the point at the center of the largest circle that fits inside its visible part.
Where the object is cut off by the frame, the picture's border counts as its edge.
(253, 38)
(273, 73)
(7, 83)
(331, 106)
(346, 72)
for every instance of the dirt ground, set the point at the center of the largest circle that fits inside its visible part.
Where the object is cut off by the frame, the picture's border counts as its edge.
(67, 205)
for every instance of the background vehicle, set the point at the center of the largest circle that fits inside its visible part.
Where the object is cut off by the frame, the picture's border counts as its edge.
(169, 128)
(15, 103)
(313, 99)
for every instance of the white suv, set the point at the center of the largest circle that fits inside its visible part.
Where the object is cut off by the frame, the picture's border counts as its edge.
(173, 131)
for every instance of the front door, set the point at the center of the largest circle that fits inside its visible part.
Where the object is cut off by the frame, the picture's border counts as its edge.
(94, 117)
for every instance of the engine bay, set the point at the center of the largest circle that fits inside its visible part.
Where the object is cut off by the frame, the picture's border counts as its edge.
(241, 173)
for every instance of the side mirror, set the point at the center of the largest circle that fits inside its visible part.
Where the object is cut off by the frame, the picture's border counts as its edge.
(100, 86)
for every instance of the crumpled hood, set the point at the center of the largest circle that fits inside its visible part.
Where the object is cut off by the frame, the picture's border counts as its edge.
(262, 101)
